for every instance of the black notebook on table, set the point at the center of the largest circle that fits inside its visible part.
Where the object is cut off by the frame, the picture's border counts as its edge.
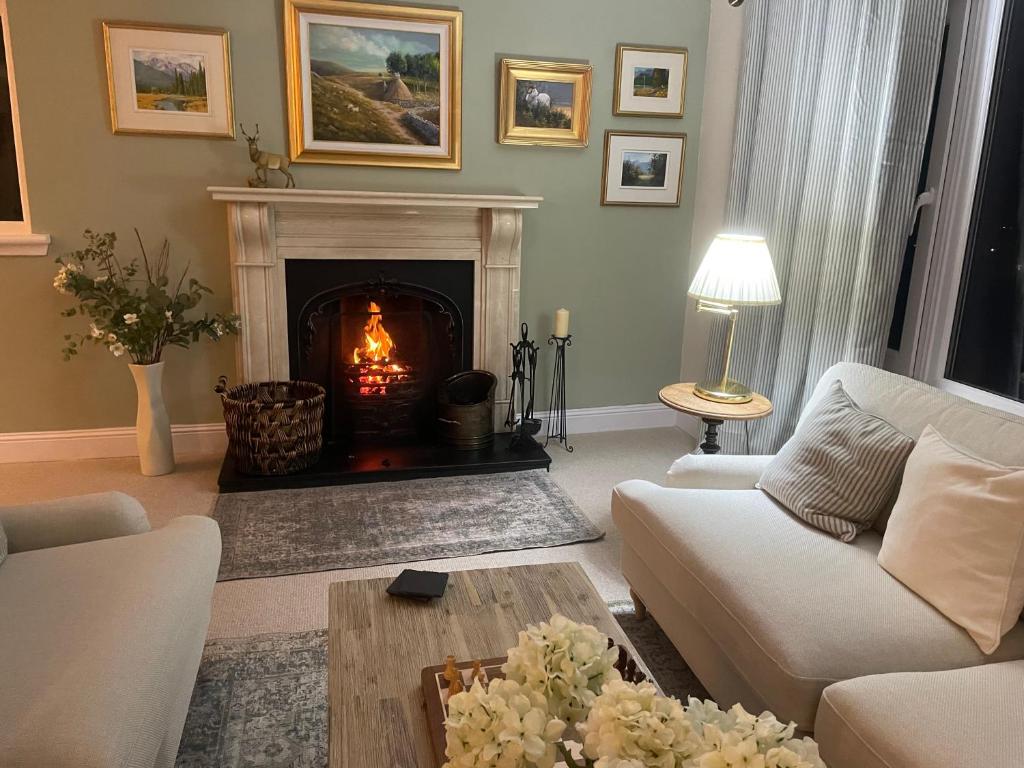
(418, 585)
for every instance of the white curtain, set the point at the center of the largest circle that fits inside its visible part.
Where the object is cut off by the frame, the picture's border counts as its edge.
(834, 105)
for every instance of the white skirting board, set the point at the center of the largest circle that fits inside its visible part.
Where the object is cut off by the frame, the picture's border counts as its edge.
(210, 438)
(107, 443)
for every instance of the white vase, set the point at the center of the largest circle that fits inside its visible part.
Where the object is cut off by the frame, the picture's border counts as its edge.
(152, 427)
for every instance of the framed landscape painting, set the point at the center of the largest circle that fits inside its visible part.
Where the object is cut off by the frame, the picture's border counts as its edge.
(172, 80)
(650, 81)
(372, 84)
(643, 168)
(544, 103)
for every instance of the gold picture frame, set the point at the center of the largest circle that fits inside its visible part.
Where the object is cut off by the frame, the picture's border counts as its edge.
(648, 186)
(363, 111)
(148, 63)
(665, 96)
(536, 92)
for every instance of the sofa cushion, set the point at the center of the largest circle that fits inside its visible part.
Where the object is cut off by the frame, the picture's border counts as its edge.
(97, 641)
(840, 470)
(911, 405)
(970, 718)
(791, 607)
(956, 537)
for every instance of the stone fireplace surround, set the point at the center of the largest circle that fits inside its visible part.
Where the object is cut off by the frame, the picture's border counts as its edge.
(268, 226)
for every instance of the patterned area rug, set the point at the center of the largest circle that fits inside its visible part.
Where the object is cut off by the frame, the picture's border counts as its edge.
(262, 701)
(276, 533)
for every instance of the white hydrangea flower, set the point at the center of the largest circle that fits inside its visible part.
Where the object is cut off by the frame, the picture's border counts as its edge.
(111, 338)
(117, 348)
(632, 726)
(566, 662)
(219, 328)
(169, 315)
(95, 332)
(131, 318)
(502, 726)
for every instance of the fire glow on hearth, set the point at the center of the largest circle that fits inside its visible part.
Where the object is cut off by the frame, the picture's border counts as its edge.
(374, 368)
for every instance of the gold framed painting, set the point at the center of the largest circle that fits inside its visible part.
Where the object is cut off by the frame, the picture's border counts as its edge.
(650, 81)
(373, 84)
(168, 79)
(642, 168)
(544, 103)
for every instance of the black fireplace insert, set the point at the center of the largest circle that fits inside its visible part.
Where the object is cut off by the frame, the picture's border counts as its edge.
(380, 336)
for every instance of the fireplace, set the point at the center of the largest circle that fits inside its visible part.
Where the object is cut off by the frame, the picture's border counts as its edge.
(323, 278)
(380, 337)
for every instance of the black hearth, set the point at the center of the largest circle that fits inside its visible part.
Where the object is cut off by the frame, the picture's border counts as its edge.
(381, 336)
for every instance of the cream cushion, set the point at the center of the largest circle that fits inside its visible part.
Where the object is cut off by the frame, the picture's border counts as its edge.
(968, 718)
(791, 608)
(956, 537)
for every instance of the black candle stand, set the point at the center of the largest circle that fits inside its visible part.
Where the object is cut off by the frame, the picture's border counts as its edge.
(558, 427)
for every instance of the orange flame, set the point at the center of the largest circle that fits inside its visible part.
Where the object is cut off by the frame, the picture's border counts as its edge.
(377, 343)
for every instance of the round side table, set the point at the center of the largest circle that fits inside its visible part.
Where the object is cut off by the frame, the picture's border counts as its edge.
(680, 397)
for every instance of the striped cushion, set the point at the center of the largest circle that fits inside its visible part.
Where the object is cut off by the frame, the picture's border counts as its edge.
(841, 469)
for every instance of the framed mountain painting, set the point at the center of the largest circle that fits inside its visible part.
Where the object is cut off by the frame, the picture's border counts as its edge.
(373, 84)
(166, 79)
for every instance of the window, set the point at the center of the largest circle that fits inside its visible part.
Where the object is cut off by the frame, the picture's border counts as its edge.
(16, 237)
(987, 343)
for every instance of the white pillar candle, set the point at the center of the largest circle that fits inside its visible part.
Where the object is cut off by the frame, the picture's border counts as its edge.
(561, 323)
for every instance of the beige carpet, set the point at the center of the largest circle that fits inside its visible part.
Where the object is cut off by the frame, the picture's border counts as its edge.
(298, 603)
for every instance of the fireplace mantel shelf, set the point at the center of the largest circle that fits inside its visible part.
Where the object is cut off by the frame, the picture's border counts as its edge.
(350, 197)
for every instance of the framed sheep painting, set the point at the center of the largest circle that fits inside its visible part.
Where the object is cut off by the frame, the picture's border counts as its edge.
(373, 84)
(545, 103)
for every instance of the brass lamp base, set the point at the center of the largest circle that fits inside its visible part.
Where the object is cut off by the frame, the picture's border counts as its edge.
(727, 391)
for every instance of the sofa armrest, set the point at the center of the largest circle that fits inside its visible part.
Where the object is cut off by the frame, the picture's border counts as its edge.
(718, 472)
(72, 520)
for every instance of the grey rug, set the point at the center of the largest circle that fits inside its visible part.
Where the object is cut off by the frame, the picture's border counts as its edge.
(262, 701)
(276, 533)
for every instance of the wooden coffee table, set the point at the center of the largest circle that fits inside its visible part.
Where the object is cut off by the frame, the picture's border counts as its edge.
(378, 645)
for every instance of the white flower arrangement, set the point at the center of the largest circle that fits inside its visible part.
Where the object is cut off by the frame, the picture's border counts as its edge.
(561, 673)
(566, 662)
(632, 725)
(504, 726)
(135, 308)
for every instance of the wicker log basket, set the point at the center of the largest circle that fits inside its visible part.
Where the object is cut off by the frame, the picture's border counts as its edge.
(274, 427)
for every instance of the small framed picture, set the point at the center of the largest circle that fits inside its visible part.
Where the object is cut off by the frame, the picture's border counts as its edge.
(650, 81)
(544, 103)
(643, 168)
(373, 84)
(170, 80)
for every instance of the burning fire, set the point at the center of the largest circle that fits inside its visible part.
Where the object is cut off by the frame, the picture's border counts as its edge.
(376, 371)
(377, 343)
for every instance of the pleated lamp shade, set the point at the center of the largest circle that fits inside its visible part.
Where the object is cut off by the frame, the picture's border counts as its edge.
(737, 269)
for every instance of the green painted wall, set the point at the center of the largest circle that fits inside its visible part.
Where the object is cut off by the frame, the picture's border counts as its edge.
(620, 270)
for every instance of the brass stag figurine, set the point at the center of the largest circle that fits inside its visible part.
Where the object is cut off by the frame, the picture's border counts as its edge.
(266, 161)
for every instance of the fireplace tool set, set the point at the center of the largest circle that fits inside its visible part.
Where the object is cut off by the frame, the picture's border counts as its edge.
(521, 420)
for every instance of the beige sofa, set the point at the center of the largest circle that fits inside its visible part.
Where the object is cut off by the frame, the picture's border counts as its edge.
(102, 625)
(770, 612)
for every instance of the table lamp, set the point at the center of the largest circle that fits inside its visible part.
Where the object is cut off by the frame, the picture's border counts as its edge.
(737, 270)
